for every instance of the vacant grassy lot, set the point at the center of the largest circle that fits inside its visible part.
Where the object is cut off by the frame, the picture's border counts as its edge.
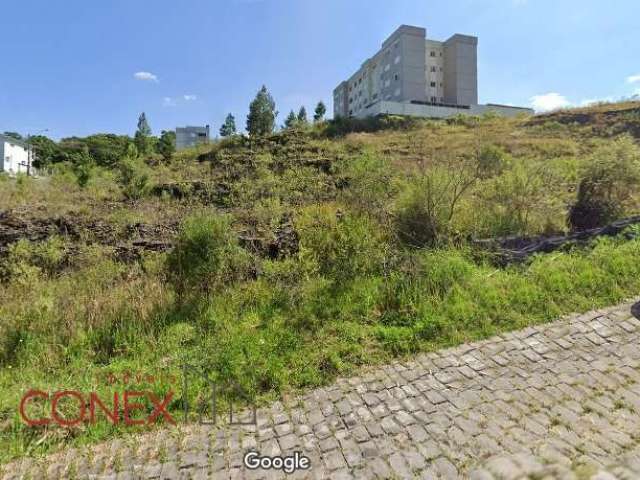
(280, 263)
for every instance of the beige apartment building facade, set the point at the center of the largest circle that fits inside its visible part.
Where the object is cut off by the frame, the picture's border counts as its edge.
(435, 78)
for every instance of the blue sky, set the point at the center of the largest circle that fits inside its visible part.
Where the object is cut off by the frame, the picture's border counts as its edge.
(70, 66)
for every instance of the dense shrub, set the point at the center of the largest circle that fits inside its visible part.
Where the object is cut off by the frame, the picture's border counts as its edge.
(26, 261)
(492, 161)
(607, 183)
(518, 201)
(368, 184)
(341, 245)
(426, 206)
(206, 257)
(134, 175)
(341, 126)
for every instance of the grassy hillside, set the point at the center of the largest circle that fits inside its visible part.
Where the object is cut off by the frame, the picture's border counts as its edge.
(282, 262)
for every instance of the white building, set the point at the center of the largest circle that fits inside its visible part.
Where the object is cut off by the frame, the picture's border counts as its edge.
(14, 156)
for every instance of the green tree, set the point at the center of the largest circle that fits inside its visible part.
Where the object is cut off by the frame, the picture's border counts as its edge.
(262, 114)
(228, 128)
(46, 151)
(134, 177)
(15, 135)
(143, 134)
(291, 120)
(318, 115)
(302, 116)
(166, 144)
(106, 148)
(83, 166)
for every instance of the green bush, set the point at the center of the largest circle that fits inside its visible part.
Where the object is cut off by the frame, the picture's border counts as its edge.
(27, 260)
(341, 126)
(340, 245)
(607, 183)
(465, 120)
(425, 208)
(517, 202)
(134, 178)
(492, 161)
(206, 257)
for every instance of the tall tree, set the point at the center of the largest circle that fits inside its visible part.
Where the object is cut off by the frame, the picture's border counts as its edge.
(302, 116)
(262, 114)
(228, 128)
(143, 134)
(167, 144)
(318, 115)
(291, 120)
(46, 151)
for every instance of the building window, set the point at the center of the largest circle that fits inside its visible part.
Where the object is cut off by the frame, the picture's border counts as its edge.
(433, 54)
(433, 99)
(397, 92)
(433, 84)
(433, 69)
(387, 67)
(395, 77)
(397, 60)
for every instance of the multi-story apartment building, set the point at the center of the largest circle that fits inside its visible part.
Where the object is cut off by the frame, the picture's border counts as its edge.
(414, 75)
(187, 137)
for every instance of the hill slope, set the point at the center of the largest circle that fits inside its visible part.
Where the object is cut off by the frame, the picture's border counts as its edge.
(279, 263)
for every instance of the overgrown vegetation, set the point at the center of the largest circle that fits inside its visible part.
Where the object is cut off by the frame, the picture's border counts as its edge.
(300, 255)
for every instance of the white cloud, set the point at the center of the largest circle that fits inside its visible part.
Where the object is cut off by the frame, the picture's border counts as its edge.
(633, 79)
(168, 102)
(146, 77)
(190, 98)
(549, 101)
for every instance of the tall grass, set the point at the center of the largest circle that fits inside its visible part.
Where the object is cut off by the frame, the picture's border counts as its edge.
(298, 324)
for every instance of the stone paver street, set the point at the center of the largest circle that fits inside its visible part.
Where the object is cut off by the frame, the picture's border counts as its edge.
(561, 400)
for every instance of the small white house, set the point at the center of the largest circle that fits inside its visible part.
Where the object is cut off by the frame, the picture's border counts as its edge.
(14, 156)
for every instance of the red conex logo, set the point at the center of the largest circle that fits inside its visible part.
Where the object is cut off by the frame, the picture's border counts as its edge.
(93, 401)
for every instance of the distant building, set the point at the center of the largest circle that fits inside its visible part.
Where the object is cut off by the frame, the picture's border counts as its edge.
(413, 75)
(187, 137)
(15, 157)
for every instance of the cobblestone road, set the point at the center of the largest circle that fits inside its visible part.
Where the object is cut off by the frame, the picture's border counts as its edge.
(560, 400)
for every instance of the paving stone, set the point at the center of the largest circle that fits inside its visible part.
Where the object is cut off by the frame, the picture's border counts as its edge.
(542, 402)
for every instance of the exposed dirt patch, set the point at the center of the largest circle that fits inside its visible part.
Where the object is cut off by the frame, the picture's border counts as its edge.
(129, 241)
